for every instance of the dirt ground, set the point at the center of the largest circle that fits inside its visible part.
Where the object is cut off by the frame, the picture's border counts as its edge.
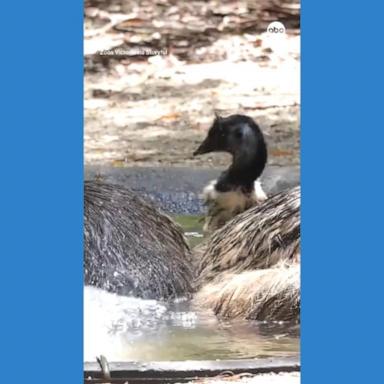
(156, 71)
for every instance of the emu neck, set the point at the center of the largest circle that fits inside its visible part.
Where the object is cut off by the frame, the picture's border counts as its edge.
(242, 174)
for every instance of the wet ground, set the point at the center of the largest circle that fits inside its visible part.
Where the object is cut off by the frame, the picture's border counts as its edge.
(176, 190)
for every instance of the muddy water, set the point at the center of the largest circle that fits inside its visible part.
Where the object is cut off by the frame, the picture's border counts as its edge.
(131, 329)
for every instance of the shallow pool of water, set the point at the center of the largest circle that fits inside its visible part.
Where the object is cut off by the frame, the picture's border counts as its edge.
(130, 329)
(193, 228)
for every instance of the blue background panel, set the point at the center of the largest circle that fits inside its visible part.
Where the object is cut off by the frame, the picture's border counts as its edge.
(342, 194)
(41, 191)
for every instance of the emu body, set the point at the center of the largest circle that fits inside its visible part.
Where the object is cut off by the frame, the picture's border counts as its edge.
(263, 294)
(250, 267)
(131, 248)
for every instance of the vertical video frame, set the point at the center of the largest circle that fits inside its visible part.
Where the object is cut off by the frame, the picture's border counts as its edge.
(192, 191)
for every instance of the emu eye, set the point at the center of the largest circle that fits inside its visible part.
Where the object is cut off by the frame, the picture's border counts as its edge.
(238, 133)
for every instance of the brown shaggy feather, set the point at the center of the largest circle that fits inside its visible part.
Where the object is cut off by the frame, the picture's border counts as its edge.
(265, 294)
(132, 248)
(258, 238)
(250, 268)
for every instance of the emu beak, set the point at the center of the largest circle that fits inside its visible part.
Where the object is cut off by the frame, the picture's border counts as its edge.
(204, 147)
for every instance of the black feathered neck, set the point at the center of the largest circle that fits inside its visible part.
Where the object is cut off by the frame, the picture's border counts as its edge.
(248, 159)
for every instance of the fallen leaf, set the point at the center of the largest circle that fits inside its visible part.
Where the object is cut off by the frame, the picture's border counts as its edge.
(280, 152)
(169, 117)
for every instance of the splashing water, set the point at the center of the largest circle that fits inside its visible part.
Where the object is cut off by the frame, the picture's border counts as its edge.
(131, 329)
